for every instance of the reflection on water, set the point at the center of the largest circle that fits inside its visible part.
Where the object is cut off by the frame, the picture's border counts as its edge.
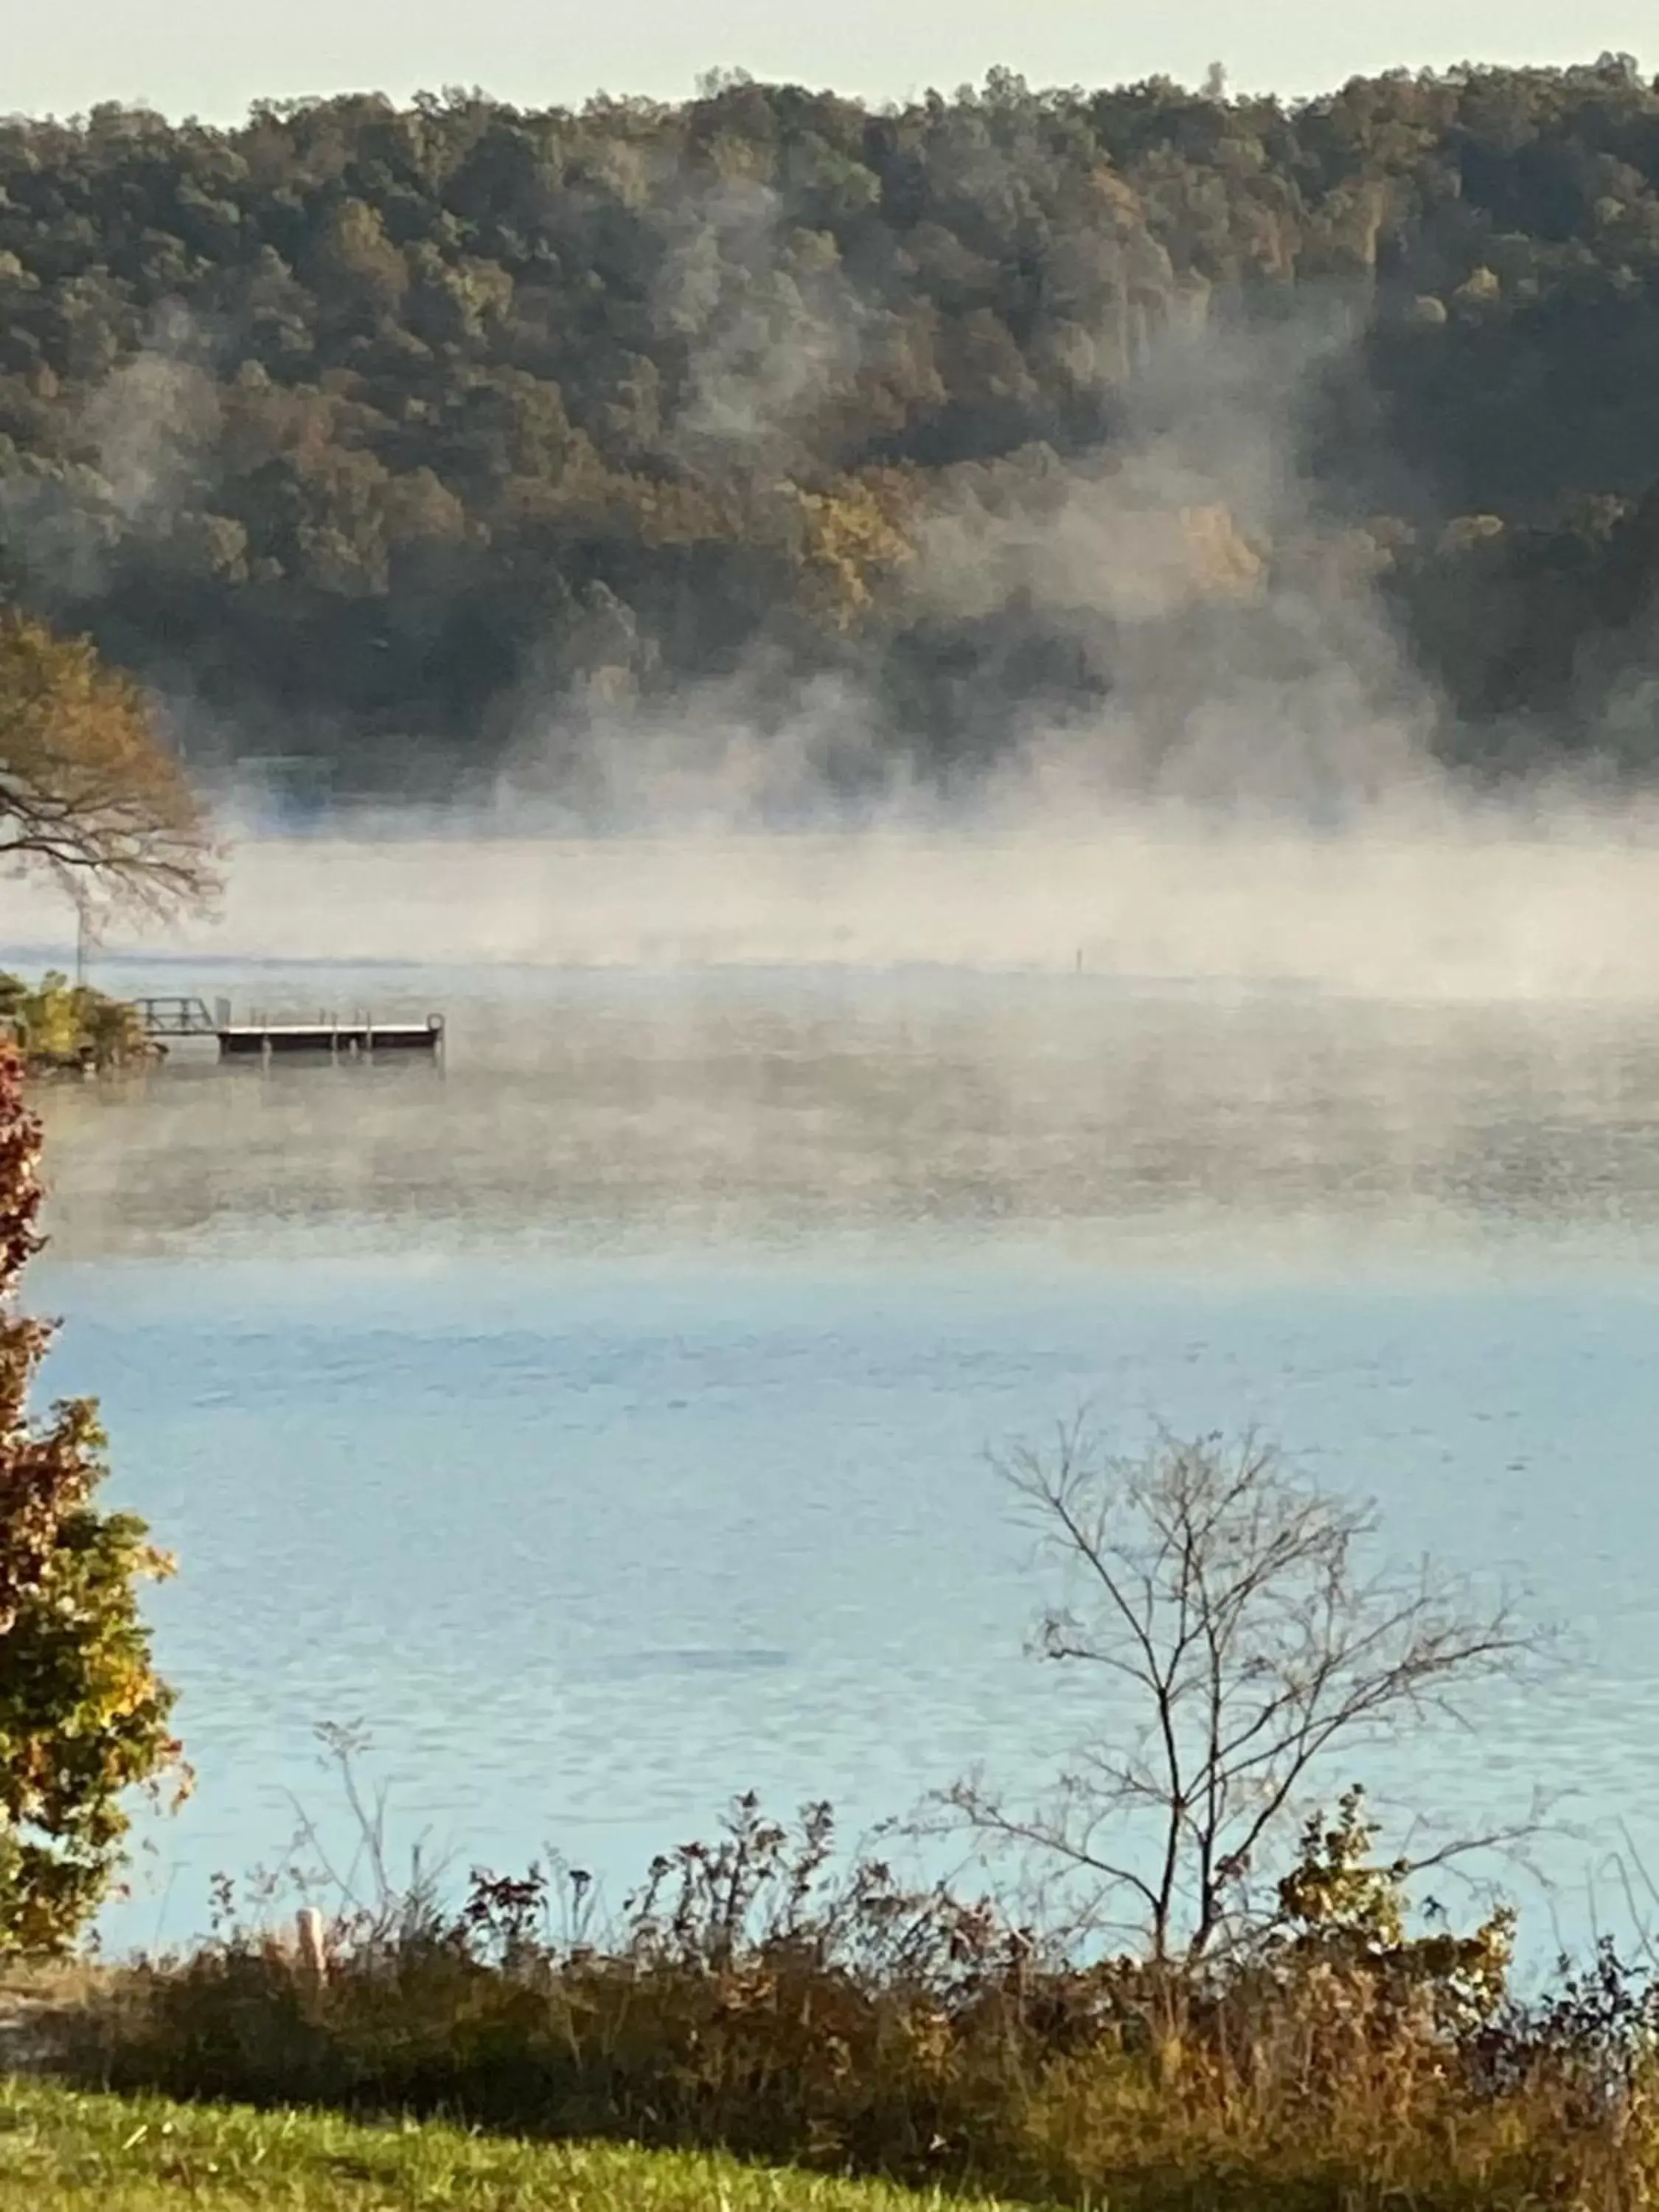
(601, 1416)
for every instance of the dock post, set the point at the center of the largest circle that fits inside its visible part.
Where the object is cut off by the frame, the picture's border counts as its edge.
(311, 1943)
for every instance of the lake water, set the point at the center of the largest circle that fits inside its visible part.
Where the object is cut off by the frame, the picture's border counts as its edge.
(601, 1417)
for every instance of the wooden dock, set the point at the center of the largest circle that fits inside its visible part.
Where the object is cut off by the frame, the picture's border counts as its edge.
(358, 1037)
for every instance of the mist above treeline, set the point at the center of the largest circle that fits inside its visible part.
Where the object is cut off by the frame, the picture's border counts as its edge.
(400, 449)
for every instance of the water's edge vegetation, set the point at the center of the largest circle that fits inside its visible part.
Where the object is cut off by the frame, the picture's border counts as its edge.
(65, 1028)
(754, 2000)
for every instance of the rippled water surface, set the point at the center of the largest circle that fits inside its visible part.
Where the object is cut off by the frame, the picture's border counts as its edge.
(601, 1416)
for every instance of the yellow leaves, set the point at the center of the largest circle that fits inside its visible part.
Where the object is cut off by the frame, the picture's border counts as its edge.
(849, 538)
(57, 1023)
(1479, 288)
(1467, 535)
(1154, 559)
(735, 159)
(51, 1020)
(356, 251)
(1219, 557)
(86, 787)
(1115, 197)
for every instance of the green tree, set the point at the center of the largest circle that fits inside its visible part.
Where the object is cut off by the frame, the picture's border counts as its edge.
(83, 1714)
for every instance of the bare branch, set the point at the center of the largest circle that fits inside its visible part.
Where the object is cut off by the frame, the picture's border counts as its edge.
(1224, 1600)
(88, 790)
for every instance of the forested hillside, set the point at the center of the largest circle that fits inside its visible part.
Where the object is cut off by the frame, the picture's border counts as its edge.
(407, 440)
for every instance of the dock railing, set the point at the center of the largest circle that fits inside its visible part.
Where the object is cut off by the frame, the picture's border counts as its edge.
(176, 1017)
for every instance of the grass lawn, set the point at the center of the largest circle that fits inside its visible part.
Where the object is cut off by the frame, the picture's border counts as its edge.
(62, 2150)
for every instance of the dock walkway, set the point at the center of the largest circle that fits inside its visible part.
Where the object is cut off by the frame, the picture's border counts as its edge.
(359, 1036)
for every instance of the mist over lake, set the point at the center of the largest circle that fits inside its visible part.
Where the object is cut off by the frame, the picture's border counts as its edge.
(600, 1414)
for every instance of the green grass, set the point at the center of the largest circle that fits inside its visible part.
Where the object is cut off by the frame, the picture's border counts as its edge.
(62, 2150)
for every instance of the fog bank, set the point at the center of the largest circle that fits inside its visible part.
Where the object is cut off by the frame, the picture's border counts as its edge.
(1479, 908)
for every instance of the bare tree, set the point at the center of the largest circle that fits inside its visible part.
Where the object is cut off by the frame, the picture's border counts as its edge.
(1246, 1642)
(88, 790)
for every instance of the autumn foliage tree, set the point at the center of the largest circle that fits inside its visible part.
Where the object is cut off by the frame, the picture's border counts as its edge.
(354, 421)
(83, 1714)
(86, 788)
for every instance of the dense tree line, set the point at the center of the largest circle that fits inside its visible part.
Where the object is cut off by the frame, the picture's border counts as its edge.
(374, 433)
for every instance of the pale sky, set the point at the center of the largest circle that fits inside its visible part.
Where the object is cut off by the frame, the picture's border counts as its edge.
(210, 57)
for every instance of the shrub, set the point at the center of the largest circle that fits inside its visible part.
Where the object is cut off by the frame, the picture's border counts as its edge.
(60, 1024)
(754, 1996)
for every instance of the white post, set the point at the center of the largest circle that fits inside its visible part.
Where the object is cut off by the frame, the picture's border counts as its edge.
(311, 1942)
